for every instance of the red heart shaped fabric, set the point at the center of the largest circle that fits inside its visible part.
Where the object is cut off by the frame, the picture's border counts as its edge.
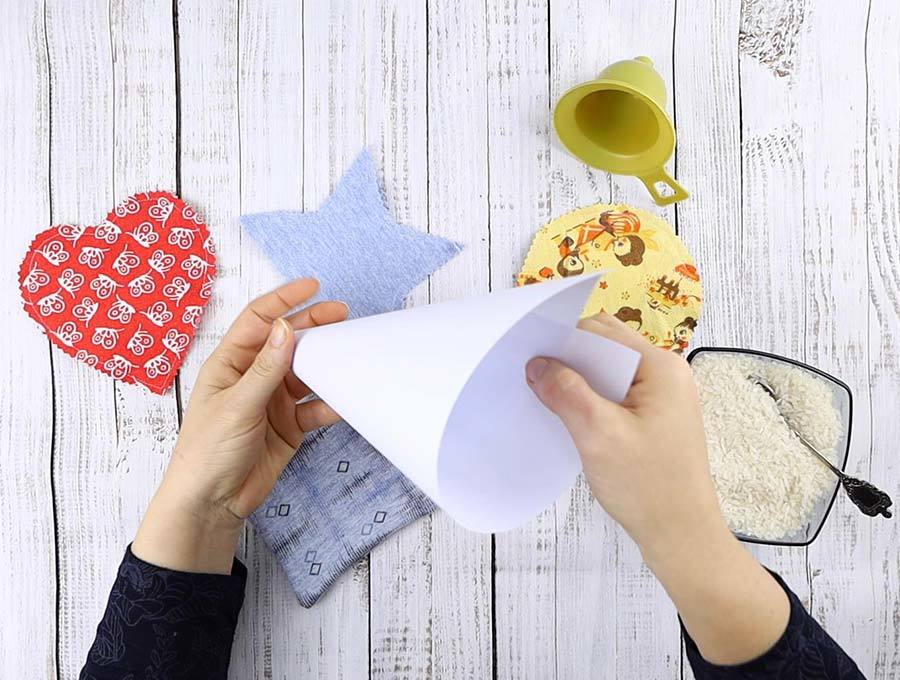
(125, 296)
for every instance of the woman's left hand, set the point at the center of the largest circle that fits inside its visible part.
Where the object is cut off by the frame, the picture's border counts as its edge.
(242, 426)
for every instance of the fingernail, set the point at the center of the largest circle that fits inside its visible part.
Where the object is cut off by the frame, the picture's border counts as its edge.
(278, 334)
(535, 368)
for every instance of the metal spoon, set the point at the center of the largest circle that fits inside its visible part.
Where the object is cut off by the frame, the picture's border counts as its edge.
(869, 499)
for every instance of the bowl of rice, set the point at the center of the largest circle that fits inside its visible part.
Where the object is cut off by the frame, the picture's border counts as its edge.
(772, 489)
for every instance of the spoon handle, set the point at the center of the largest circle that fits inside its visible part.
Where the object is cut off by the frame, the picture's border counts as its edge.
(871, 500)
(812, 448)
(868, 498)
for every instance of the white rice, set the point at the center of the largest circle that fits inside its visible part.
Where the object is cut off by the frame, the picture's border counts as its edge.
(768, 483)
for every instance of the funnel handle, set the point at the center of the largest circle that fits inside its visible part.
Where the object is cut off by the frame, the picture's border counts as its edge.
(660, 175)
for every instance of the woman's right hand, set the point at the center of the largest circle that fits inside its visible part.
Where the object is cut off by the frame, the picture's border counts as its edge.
(645, 460)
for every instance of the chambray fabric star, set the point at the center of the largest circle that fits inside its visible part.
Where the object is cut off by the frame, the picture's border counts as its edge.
(352, 244)
(338, 497)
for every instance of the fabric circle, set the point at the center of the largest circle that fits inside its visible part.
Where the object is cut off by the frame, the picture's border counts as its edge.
(650, 280)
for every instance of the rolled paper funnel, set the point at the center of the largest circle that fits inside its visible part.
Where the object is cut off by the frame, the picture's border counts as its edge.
(440, 391)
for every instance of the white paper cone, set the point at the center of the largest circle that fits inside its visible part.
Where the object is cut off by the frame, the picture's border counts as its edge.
(440, 391)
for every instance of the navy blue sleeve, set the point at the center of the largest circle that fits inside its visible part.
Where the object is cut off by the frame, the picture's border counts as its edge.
(166, 624)
(804, 652)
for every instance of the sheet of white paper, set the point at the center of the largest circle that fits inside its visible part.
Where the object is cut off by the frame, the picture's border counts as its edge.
(440, 391)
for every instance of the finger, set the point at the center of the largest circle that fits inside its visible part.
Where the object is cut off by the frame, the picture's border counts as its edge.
(613, 329)
(565, 392)
(252, 326)
(295, 387)
(266, 374)
(280, 412)
(315, 413)
(318, 314)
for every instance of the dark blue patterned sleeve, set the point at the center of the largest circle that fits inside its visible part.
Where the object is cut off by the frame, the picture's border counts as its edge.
(804, 652)
(166, 624)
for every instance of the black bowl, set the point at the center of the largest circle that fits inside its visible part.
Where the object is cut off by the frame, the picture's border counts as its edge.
(843, 401)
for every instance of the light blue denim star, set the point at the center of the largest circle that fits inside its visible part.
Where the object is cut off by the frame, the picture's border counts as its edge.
(352, 244)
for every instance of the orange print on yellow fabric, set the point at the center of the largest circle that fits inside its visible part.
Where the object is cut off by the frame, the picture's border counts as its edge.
(650, 280)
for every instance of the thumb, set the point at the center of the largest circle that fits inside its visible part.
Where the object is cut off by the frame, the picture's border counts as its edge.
(268, 369)
(565, 392)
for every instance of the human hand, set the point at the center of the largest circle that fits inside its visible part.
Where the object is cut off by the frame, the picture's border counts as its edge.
(645, 460)
(241, 427)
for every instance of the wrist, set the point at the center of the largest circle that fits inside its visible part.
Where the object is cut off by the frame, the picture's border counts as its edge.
(730, 605)
(708, 540)
(184, 533)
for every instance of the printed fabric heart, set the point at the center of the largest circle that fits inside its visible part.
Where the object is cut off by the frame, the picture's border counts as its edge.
(125, 296)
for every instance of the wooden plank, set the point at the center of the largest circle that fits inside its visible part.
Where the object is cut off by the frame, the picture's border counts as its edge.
(587, 621)
(708, 159)
(458, 209)
(646, 637)
(783, 131)
(400, 569)
(86, 478)
(28, 586)
(144, 106)
(274, 643)
(209, 178)
(334, 113)
(519, 203)
(706, 101)
(421, 575)
(882, 218)
(613, 618)
(209, 158)
(333, 134)
(830, 79)
(771, 190)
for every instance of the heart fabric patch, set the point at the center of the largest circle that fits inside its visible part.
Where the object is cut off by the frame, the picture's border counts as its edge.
(125, 296)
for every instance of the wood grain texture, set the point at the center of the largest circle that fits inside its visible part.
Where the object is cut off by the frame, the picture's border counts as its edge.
(882, 217)
(588, 541)
(648, 637)
(836, 305)
(400, 569)
(457, 142)
(519, 203)
(631, 629)
(209, 156)
(708, 159)
(788, 133)
(90, 534)
(28, 565)
(274, 642)
(143, 61)
(706, 98)
(771, 186)
(334, 126)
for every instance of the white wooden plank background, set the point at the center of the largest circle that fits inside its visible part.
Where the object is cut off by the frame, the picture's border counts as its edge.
(789, 139)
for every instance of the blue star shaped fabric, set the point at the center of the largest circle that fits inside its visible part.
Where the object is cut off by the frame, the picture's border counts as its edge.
(338, 498)
(352, 244)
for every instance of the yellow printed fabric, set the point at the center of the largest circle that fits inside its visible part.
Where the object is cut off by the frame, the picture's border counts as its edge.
(650, 282)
